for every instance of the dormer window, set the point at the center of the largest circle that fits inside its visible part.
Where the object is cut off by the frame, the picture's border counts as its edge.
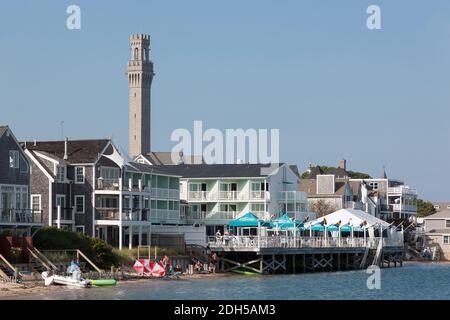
(60, 173)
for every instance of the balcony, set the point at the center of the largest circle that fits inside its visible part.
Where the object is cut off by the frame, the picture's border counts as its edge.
(66, 214)
(164, 214)
(109, 184)
(259, 195)
(403, 208)
(200, 215)
(292, 196)
(402, 191)
(21, 216)
(221, 215)
(163, 193)
(107, 214)
(127, 214)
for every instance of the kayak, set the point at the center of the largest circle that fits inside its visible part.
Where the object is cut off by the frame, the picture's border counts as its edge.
(103, 282)
(246, 273)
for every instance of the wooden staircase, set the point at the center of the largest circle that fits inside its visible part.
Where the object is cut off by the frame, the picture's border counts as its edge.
(7, 271)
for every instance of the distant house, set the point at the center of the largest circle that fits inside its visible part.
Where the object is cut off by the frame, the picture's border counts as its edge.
(168, 158)
(437, 232)
(15, 211)
(87, 186)
(440, 206)
(385, 198)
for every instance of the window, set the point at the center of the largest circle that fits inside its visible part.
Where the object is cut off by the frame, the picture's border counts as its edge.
(23, 165)
(36, 202)
(61, 173)
(79, 229)
(79, 204)
(79, 175)
(447, 223)
(109, 173)
(374, 185)
(14, 159)
(446, 239)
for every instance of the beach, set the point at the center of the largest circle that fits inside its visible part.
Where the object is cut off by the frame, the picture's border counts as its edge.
(15, 290)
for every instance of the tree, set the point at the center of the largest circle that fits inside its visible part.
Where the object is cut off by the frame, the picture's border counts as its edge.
(322, 208)
(425, 208)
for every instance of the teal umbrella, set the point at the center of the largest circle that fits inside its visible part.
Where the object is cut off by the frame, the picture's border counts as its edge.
(248, 220)
(283, 222)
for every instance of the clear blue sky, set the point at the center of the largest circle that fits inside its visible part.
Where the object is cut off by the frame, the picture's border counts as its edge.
(310, 68)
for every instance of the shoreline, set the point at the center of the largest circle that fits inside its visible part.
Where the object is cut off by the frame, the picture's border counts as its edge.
(12, 290)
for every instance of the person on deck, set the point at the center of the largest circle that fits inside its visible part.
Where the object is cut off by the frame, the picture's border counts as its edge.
(198, 266)
(218, 236)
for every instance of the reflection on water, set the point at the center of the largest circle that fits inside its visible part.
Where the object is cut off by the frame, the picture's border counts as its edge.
(414, 281)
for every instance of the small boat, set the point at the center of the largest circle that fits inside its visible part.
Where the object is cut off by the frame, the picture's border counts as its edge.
(103, 282)
(65, 280)
(245, 272)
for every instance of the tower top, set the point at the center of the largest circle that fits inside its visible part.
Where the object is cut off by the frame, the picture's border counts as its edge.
(141, 36)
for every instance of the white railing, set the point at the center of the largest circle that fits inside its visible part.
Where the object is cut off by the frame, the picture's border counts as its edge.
(403, 207)
(164, 214)
(200, 195)
(297, 196)
(221, 215)
(402, 190)
(259, 195)
(254, 242)
(228, 195)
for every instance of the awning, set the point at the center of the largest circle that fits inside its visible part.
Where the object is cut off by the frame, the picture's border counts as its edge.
(248, 220)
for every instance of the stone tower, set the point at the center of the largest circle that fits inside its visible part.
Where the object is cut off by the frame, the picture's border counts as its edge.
(140, 75)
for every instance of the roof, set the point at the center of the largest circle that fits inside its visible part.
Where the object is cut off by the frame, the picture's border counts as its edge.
(443, 214)
(309, 186)
(294, 169)
(337, 172)
(352, 217)
(442, 205)
(43, 166)
(165, 158)
(3, 129)
(78, 151)
(216, 170)
(146, 168)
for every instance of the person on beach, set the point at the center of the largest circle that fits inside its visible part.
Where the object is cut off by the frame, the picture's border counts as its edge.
(166, 264)
(214, 262)
(198, 266)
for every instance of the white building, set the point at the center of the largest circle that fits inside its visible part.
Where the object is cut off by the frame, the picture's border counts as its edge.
(214, 194)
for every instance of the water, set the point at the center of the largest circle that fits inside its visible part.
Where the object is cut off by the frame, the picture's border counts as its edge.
(413, 281)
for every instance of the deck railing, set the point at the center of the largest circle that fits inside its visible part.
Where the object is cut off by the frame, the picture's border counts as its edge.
(254, 242)
(21, 216)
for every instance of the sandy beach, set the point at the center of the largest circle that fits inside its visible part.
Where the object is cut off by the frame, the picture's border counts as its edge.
(11, 290)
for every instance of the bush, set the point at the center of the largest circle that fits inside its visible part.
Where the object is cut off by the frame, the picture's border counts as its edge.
(97, 250)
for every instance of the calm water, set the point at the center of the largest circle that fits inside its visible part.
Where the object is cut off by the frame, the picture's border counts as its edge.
(413, 281)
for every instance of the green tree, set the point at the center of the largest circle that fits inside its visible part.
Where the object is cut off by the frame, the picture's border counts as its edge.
(425, 208)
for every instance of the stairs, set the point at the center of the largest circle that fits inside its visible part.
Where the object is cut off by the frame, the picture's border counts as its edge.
(40, 261)
(376, 259)
(7, 271)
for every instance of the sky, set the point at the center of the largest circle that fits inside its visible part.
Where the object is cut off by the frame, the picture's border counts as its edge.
(312, 69)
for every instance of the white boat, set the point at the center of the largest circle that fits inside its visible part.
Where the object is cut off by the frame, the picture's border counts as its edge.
(65, 280)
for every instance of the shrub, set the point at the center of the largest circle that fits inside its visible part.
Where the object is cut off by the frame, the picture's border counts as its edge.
(97, 250)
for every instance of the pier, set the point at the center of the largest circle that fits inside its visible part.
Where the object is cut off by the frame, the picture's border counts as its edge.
(288, 254)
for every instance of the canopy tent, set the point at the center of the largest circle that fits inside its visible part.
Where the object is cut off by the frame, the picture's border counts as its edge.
(351, 219)
(248, 220)
(283, 222)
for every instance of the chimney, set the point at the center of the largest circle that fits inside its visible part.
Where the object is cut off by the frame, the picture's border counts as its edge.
(65, 148)
(343, 164)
